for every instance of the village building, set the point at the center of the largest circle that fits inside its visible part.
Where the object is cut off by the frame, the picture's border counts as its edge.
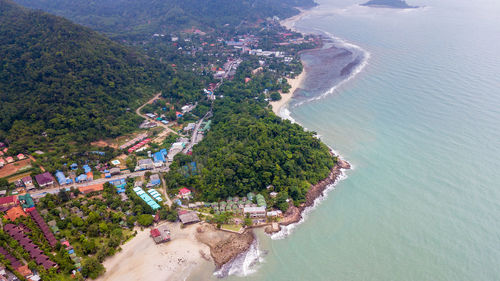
(184, 193)
(9, 201)
(114, 171)
(144, 164)
(155, 179)
(45, 179)
(13, 213)
(160, 234)
(28, 182)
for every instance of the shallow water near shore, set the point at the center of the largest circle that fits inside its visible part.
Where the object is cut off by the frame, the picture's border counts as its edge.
(421, 125)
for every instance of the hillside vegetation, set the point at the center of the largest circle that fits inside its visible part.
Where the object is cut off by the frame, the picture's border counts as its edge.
(60, 82)
(140, 18)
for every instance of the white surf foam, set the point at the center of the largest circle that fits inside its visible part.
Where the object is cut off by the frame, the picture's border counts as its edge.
(288, 229)
(244, 264)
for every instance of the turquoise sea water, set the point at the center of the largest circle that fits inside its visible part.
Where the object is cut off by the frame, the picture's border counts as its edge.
(421, 125)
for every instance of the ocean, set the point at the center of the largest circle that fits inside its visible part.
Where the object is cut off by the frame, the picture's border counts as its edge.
(417, 114)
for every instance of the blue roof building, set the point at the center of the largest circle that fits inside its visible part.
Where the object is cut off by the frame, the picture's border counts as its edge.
(159, 157)
(62, 179)
(82, 177)
(87, 168)
(74, 166)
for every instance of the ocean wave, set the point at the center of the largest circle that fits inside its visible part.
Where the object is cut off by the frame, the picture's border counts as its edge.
(244, 264)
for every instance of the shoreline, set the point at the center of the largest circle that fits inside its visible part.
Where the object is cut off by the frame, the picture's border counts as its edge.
(191, 247)
(295, 83)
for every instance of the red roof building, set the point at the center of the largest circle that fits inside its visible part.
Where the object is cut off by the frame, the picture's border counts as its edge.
(9, 201)
(184, 193)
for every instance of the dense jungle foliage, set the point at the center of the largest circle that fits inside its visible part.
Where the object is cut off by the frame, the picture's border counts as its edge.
(61, 80)
(137, 19)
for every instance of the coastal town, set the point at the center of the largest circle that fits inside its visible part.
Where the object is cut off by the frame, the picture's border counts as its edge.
(88, 205)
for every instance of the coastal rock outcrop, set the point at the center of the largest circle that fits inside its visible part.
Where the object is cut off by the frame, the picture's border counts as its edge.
(224, 246)
(294, 214)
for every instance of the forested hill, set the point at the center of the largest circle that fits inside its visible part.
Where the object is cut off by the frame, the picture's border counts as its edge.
(63, 82)
(140, 18)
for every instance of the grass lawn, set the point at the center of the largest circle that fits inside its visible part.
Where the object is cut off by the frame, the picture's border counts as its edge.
(231, 227)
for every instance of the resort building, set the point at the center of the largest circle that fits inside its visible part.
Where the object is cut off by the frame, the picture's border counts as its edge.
(255, 212)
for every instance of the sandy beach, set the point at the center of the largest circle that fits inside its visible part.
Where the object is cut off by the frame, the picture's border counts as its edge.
(296, 82)
(285, 98)
(142, 259)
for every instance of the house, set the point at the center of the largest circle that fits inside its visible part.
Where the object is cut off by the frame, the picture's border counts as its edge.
(81, 178)
(178, 114)
(159, 158)
(160, 234)
(24, 271)
(21, 156)
(62, 179)
(9, 159)
(144, 164)
(114, 171)
(155, 179)
(189, 127)
(189, 218)
(28, 182)
(86, 168)
(255, 212)
(26, 201)
(184, 193)
(9, 201)
(45, 179)
(13, 213)
(273, 194)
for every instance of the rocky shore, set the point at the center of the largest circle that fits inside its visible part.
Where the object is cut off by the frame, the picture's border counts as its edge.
(224, 246)
(294, 214)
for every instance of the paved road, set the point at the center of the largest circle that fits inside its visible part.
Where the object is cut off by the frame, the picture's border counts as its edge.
(195, 133)
(55, 190)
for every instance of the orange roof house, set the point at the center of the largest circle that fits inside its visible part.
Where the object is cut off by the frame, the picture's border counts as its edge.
(24, 271)
(14, 213)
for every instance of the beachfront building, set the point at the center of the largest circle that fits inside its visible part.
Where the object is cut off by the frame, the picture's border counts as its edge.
(160, 234)
(255, 212)
(188, 217)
